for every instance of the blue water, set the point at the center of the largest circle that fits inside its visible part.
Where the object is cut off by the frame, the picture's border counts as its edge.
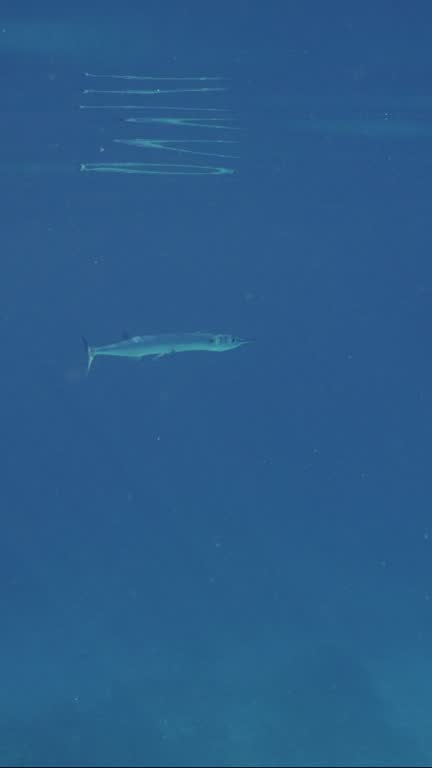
(218, 559)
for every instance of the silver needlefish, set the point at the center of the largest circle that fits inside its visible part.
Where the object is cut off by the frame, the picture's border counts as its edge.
(160, 345)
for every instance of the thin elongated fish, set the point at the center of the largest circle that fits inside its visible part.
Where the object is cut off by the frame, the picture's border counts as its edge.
(138, 347)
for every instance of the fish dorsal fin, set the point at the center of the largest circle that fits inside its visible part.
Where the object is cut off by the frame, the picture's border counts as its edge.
(126, 335)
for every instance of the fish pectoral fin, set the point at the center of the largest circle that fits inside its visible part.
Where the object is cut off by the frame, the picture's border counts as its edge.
(153, 357)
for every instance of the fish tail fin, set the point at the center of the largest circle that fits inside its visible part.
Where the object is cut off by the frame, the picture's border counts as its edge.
(90, 352)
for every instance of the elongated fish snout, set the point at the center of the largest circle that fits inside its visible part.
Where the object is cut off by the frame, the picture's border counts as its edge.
(237, 341)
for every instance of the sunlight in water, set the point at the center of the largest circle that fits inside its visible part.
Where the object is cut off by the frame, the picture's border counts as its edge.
(194, 118)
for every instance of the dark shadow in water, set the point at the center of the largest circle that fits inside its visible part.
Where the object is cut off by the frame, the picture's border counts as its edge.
(325, 711)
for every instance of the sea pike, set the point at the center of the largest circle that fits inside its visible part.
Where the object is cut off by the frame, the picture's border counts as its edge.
(160, 345)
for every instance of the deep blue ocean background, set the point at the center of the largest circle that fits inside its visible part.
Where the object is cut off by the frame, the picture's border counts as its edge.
(218, 559)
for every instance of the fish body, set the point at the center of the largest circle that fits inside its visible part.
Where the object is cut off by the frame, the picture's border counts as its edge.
(159, 345)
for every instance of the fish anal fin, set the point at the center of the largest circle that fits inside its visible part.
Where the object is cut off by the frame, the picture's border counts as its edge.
(168, 353)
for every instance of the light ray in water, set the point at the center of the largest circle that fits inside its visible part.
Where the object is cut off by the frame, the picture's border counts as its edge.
(385, 126)
(192, 122)
(154, 79)
(152, 91)
(154, 107)
(156, 169)
(177, 119)
(171, 145)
